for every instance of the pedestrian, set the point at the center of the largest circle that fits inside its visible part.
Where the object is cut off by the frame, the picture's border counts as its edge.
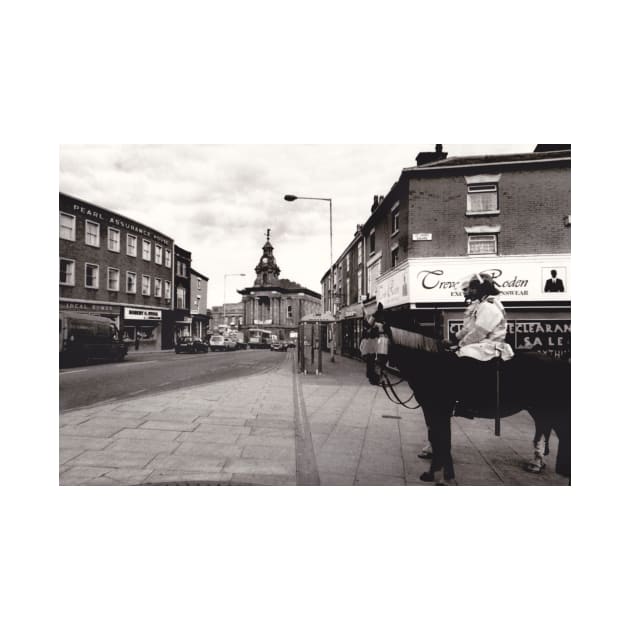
(137, 342)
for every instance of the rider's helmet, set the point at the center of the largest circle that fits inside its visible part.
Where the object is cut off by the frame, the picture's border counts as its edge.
(483, 283)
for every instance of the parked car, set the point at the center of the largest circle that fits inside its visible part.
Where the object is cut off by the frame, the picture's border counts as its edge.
(218, 343)
(190, 344)
(231, 344)
(278, 346)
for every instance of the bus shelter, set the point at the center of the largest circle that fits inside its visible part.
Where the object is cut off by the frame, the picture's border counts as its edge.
(312, 334)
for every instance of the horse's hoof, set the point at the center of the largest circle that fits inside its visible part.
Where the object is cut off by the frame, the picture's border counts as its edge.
(533, 468)
(427, 476)
(446, 482)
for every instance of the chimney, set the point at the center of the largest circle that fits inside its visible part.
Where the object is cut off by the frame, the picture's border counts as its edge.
(374, 203)
(425, 157)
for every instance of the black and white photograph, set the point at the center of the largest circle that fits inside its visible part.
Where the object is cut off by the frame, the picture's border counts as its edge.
(331, 351)
(272, 315)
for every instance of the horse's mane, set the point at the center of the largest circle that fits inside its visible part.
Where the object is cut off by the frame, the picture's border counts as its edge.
(414, 340)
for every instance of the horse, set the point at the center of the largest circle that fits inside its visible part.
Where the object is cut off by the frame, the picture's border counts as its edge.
(529, 381)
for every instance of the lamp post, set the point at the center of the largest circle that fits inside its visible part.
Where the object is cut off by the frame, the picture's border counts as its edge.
(225, 277)
(332, 305)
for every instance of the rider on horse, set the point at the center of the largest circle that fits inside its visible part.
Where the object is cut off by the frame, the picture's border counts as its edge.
(481, 338)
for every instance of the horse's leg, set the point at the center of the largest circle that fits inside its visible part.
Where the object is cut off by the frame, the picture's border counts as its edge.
(562, 427)
(541, 441)
(439, 424)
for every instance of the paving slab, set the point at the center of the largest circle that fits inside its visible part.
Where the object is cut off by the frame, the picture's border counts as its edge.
(190, 463)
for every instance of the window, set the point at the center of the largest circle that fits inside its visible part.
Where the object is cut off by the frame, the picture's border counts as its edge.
(158, 254)
(395, 222)
(347, 300)
(67, 223)
(374, 271)
(372, 241)
(167, 258)
(199, 284)
(482, 243)
(91, 276)
(146, 249)
(360, 282)
(348, 262)
(158, 287)
(181, 297)
(482, 199)
(289, 309)
(113, 279)
(113, 239)
(167, 289)
(146, 285)
(395, 256)
(92, 233)
(132, 245)
(360, 253)
(66, 272)
(131, 282)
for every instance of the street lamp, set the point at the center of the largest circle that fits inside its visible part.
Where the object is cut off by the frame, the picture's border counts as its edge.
(225, 277)
(332, 306)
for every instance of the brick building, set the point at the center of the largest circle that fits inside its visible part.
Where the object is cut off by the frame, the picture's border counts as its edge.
(275, 304)
(117, 268)
(508, 215)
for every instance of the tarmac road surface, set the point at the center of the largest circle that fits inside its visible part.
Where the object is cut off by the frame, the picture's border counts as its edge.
(147, 373)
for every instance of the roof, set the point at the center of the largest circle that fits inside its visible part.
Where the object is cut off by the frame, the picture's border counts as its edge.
(198, 274)
(471, 160)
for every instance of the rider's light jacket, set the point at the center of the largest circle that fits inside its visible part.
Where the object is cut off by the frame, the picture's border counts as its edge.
(483, 335)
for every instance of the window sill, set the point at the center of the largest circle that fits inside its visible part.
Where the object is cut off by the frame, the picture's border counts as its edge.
(94, 246)
(483, 214)
(66, 284)
(115, 251)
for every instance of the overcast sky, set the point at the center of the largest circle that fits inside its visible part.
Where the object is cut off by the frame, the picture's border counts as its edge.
(218, 200)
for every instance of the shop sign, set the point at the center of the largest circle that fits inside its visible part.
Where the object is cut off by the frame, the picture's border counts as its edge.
(90, 308)
(423, 236)
(550, 336)
(105, 217)
(519, 278)
(263, 322)
(392, 289)
(139, 313)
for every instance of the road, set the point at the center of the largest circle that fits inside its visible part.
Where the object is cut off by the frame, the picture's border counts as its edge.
(147, 373)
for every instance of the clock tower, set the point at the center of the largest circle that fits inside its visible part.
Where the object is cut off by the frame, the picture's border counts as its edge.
(267, 271)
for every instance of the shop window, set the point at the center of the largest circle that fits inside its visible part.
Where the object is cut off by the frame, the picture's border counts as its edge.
(92, 234)
(146, 333)
(158, 287)
(91, 276)
(146, 249)
(482, 244)
(131, 282)
(113, 239)
(129, 333)
(158, 254)
(66, 272)
(113, 279)
(67, 226)
(132, 245)
(146, 285)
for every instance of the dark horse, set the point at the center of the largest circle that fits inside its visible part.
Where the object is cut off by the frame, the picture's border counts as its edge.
(532, 382)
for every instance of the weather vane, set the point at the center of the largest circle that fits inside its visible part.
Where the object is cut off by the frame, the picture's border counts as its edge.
(268, 233)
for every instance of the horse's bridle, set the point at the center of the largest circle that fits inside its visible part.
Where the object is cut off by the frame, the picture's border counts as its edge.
(388, 387)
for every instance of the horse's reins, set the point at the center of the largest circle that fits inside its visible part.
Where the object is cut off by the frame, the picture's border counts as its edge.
(386, 383)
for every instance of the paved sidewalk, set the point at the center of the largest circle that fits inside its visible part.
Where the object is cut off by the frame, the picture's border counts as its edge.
(281, 428)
